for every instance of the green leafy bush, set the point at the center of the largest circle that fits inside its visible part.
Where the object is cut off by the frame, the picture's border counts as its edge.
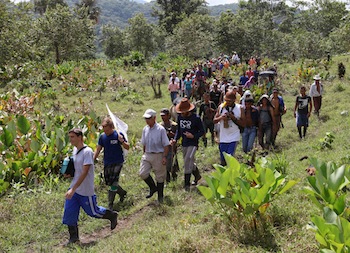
(327, 192)
(326, 186)
(326, 141)
(332, 232)
(237, 189)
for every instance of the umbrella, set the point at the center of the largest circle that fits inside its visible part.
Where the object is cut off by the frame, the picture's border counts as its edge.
(267, 73)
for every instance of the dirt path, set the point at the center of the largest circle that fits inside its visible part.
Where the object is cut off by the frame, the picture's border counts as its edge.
(87, 240)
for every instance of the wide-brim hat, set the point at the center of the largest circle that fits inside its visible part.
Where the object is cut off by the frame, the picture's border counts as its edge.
(184, 106)
(317, 77)
(262, 97)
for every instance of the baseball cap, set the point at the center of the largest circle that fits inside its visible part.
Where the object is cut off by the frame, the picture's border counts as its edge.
(164, 111)
(149, 113)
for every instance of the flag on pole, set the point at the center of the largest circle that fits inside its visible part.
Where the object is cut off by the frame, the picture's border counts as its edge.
(119, 125)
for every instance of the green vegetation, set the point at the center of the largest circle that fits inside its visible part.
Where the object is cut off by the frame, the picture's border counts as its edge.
(49, 99)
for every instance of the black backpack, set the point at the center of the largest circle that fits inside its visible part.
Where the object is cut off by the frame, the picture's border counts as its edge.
(69, 168)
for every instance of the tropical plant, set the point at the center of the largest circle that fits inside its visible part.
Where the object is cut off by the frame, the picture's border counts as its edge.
(326, 141)
(237, 189)
(326, 186)
(327, 192)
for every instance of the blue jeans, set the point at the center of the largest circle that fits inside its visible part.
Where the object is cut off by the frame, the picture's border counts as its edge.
(228, 148)
(173, 95)
(248, 138)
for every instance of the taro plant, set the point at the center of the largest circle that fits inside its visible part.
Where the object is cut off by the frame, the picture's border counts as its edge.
(238, 189)
(35, 147)
(326, 187)
(332, 232)
(327, 191)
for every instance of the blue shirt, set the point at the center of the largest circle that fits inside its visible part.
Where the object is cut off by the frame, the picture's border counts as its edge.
(112, 148)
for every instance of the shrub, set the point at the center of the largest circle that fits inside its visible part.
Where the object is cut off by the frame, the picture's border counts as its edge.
(237, 189)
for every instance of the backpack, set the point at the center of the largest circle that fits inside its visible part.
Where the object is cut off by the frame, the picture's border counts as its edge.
(68, 165)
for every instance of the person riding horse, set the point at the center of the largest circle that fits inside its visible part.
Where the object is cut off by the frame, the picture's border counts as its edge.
(200, 85)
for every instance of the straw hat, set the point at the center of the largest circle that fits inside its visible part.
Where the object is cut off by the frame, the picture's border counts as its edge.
(184, 106)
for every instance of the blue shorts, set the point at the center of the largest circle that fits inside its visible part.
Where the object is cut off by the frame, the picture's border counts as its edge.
(302, 120)
(72, 208)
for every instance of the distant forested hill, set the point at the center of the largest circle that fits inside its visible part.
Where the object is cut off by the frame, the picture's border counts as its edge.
(117, 12)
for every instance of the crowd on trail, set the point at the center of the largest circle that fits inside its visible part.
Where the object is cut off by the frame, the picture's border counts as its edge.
(228, 111)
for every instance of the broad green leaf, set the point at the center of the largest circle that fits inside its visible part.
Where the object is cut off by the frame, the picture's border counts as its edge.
(231, 161)
(339, 204)
(227, 202)
(7, 138)
(11, 126)
(224, 182)
(312, 182)
(34, 145)
(330, 216)
(23, 124)
(336, 178)
(287, 186)
(206, 192)
(212, 185)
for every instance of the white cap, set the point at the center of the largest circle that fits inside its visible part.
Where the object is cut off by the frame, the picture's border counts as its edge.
(149, 113)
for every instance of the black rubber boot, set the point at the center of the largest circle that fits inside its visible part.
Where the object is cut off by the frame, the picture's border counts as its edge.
(73, 234)
(196, 174)
(174, 175)
(111, 197)
(187, 182)
(112, 216)
(168, 177)
(205, 142)
(122, 193)
(152, 186)
(160, 188)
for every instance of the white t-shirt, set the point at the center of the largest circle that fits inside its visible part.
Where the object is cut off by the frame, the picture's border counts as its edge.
(231, 133)
(85, 157)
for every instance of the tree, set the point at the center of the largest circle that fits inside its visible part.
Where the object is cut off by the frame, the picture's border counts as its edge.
(40, 6)
(172, 12)
(192, 37)
(17, 43)
(65, 36)
(113, 42)
(140, 36)
(88, 8)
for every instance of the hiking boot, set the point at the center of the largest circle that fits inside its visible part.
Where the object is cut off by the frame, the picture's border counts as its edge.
(152, 186)
(73, 234)
(112, 216)
(187, 182)
(111, 197)
(122, 193)
(160, 189)
(196, 174)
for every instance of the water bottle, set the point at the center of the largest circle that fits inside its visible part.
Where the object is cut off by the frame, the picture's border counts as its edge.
(64, 165)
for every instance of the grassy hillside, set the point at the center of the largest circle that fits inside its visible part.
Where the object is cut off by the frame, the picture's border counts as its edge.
(30, 219)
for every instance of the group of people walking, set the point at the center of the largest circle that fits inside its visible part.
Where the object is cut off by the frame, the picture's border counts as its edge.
(226, 111)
